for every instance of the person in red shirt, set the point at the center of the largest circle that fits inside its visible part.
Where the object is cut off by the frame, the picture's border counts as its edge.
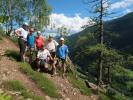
(39, 41)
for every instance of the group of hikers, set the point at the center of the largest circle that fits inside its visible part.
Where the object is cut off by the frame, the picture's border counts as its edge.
(48, 52)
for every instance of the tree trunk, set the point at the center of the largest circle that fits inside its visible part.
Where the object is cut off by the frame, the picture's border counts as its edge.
(10, 17)
(100, 64)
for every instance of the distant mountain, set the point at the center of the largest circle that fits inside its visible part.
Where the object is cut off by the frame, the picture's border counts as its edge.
(118, 34)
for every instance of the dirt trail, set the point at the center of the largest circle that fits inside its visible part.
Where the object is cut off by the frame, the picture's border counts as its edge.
(68, 91)
(9, 69)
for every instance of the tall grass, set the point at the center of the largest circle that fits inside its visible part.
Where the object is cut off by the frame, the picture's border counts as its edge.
(79, 83)
(4, 96)
(17, 86)
(41, 81)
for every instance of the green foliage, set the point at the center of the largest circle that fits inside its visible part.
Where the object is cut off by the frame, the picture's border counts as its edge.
(1, 38)
(42, 82)
(104, 97)
(122, 80)
(117, 35)
(15, 85)
(36, 12)
(14, 40)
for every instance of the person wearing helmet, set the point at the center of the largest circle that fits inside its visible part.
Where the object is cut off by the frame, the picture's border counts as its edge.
(22, 33)
(62, 51)
(51, 45)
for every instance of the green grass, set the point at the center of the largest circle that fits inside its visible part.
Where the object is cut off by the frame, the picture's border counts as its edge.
(1, 37)
(14, 40)
(79, 83)
(42, 82)
(15, 85)
(103, 97)
(4, 96)
(12, 54)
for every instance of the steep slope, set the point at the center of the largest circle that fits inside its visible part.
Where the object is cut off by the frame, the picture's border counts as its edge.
(10, 71)
(118, 36)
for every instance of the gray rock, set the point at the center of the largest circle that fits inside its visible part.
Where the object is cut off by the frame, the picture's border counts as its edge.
(1, 91)
(29, 99)
(74, 93)
(47, 98)
(66, 98)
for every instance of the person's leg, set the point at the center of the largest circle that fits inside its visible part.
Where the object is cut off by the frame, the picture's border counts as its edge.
(38, 64)
(53, 63)
(31, 49)
(53, 68)
(23, 50)
(46, 66)
(63, 67)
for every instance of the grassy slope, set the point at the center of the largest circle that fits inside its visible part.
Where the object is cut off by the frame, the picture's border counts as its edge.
(42, 82)
(14, 85)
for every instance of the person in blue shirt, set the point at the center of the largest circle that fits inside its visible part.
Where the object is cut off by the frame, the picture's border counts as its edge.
(31, 38)
(31, 43)
(62, 51)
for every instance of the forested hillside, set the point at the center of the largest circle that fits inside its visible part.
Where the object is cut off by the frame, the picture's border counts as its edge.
(117, 54)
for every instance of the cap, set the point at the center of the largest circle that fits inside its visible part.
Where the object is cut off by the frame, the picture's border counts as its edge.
(39, 32)
(62, 38)
(26, 24)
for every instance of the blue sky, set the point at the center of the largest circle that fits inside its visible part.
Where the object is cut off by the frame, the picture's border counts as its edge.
(73, 14)
(69, 7)
(72, 7)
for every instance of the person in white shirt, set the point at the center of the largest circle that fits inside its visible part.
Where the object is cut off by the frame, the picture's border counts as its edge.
(22, 39)
(42, 59)
(51, 45)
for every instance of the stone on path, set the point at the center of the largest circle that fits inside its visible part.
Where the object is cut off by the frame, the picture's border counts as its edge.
(47, 98)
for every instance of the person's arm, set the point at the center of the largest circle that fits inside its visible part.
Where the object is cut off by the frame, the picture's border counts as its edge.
(66, 52)
(49, 55)
(38, 55)
(56, 44)
(18, 32)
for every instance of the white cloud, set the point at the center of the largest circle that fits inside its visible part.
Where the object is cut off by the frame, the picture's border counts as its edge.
(122, 4)
(127, 11)
(74, 24)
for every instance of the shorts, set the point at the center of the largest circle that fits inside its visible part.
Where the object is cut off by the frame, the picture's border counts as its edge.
(32, 48)
(43, 63)
(62, 60)
(53, 55)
